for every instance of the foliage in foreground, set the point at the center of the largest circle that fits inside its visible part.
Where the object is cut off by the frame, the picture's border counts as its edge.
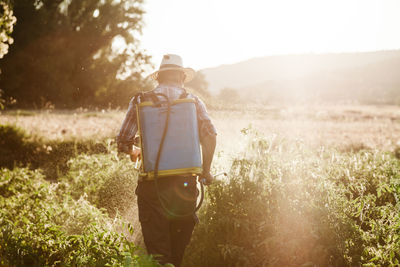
(107, 181)
(17, 148)
(42, 226)
(283, 205)
(38, 72)
(59, 223)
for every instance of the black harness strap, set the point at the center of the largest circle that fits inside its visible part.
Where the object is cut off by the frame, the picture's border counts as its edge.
(157, 101)
(184, 94)
(152, 96)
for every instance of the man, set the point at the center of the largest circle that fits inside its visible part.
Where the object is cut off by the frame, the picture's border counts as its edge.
(164, 234)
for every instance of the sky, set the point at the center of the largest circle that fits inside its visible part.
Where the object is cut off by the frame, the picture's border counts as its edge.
(209, 33)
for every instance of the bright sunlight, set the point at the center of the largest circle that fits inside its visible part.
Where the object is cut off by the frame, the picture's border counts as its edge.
(209, 33)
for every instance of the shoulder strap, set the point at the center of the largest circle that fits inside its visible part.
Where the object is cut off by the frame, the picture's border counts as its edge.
(184, 94)
(138, 97)
(149, 96)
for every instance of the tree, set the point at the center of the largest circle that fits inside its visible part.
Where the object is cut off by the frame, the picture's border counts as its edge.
(67, 52)
(200, 85)
(7, 21)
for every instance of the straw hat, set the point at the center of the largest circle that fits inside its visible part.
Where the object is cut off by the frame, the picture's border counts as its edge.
(173, 62)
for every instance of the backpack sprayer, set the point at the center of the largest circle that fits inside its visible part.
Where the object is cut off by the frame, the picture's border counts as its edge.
(168, 153)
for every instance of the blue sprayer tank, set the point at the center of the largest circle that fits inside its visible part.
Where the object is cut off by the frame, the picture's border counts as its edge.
(181, 154)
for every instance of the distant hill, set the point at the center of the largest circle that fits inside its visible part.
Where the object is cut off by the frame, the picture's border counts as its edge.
(371, 77)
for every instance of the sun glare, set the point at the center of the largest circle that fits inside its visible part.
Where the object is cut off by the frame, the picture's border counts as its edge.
(208, 33)
(96, 13)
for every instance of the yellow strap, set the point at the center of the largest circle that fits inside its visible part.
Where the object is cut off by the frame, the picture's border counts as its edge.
(165, 173)
(177, 101)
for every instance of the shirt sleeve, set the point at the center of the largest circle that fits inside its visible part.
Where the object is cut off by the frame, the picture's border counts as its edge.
(206, 127)
(126, 136)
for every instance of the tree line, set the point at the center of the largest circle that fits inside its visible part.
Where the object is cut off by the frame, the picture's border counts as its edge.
(72, 53)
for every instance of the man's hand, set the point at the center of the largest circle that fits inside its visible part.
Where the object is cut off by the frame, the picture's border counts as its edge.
(208, 146)
(135, 154)
(206, 178)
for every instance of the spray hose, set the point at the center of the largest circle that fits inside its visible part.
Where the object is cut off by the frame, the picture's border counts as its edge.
(160, 148)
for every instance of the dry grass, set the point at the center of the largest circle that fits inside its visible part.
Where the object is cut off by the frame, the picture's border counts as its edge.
(346, 128)
(66, 125)
(342, 127)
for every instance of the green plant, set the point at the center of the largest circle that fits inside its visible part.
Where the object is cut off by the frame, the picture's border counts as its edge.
(286, 205)
(17, 148)
(107, 180)
(14, 146)
(42, 226)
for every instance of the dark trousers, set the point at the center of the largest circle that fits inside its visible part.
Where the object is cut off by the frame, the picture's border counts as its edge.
(166, 233)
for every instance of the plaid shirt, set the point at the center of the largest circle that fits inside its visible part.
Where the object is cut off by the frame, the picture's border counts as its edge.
(126, 136)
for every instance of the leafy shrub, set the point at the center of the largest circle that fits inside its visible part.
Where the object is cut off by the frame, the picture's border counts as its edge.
(18, 149)
(107, 181)
(53, 156)
(41, 226)
(284, 205)
(14, 146)
(397, 152)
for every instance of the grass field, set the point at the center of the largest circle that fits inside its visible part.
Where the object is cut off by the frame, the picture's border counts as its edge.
(307, 186)
(342, 127)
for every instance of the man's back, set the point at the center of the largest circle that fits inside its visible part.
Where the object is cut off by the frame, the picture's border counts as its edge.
(129, 127)
(159, 201)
